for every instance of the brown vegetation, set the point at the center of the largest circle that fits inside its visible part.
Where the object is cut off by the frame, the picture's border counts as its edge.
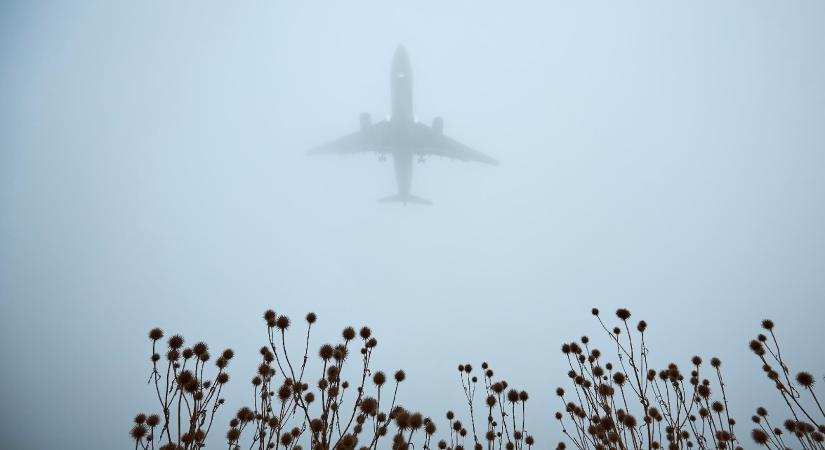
(806, 426)
(286, 408)
(616, 402)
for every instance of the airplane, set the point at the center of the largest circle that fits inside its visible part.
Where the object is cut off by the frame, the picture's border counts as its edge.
(402, 136)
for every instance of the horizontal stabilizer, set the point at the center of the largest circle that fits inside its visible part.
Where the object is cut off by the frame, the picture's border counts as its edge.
(399, 198)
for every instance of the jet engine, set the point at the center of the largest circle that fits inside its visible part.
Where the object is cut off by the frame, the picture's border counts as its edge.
(438, 125)
(366, 121)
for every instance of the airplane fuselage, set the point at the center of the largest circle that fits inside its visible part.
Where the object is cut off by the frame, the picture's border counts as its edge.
(401, 119)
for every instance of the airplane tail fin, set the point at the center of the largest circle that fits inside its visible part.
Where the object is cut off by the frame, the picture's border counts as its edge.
(401, 198)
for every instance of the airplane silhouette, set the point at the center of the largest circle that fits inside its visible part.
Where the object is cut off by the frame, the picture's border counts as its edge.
(401, 136)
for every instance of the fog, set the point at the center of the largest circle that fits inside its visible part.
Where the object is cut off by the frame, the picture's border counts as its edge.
(663, 157)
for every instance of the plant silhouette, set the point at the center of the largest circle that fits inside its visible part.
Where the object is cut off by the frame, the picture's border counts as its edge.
(617, 402)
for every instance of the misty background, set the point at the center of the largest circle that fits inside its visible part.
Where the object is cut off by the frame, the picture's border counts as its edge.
(664, 157)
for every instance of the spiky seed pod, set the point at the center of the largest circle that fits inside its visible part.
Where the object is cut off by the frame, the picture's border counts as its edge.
(282, 322)
(200, 348)
(325, 352)
(228, 354)
(191, 386)
(512, 396)
(155, 334)
(450, 415)
(153, 420)
(222, 378)
(369, 406)
(284, 392)
(340, 353)
(348, 334)
(560, 392)
(138, 432)
(311, 318)
(430, 428)
(623, 313)
(245, 415)
(372, 342)
(416, 421)
(175, 342)
(269, 315)
(491, 401)
(523, 396)
(400, 376)
(574, 348)
(805, 379)
(767, 324)
(233, 434)
(379, 378)
(759, 436)
(365, 333)
(715, 362)
(316, 425)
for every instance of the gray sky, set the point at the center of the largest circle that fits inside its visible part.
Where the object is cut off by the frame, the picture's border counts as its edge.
(663, 156)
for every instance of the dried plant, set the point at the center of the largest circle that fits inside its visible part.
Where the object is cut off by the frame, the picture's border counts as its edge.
(188, 399)
(286, 410)
(322, 414)
(627, 404)
(807, 425)
(505, 414)
(618, 405)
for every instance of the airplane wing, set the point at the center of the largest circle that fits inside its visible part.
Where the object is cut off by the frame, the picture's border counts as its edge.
(371, 138)
(431, 142)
